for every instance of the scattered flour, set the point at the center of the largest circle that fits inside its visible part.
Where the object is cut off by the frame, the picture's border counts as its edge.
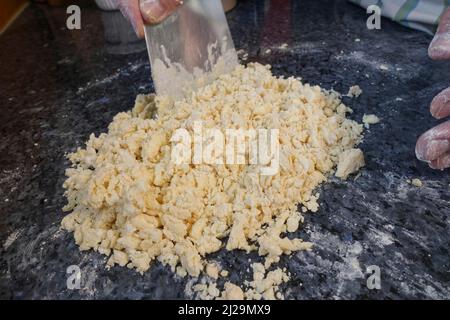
(11, 238)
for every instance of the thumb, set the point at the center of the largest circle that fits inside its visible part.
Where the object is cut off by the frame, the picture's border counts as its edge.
(155, 11)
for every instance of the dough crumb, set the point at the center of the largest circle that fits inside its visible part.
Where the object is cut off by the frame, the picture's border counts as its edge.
(206, 291)
(212, 270)
(350, 161)
(369, 119)
(242, 54)
(266, 285)
(232, 292)
(416, 182)
(354, 91)
(224, 273)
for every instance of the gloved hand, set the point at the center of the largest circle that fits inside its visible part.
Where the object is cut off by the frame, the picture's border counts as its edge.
(434, 145)
(139, 12)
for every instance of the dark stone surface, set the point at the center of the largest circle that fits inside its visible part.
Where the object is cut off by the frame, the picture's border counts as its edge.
(57, 86)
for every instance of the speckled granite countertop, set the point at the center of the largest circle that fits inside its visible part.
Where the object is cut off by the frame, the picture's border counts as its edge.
(58, 86)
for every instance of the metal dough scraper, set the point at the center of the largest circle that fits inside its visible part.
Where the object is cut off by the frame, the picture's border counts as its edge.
(190, 48)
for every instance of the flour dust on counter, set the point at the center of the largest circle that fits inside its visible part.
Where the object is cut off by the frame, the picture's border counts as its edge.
(128, 199)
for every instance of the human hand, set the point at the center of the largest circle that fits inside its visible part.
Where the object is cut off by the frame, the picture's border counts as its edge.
(434, 145)
(140, 12)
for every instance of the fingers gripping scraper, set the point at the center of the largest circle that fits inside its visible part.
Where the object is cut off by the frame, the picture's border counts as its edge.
(190, 48)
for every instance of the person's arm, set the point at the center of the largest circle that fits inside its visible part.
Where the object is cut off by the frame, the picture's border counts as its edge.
(139, 12)
(434, 145)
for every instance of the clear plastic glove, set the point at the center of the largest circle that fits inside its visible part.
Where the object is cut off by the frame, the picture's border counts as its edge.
(434, 145)
(140, 12)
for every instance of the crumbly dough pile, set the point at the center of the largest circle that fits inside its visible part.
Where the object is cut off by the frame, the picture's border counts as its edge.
(129, 201)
